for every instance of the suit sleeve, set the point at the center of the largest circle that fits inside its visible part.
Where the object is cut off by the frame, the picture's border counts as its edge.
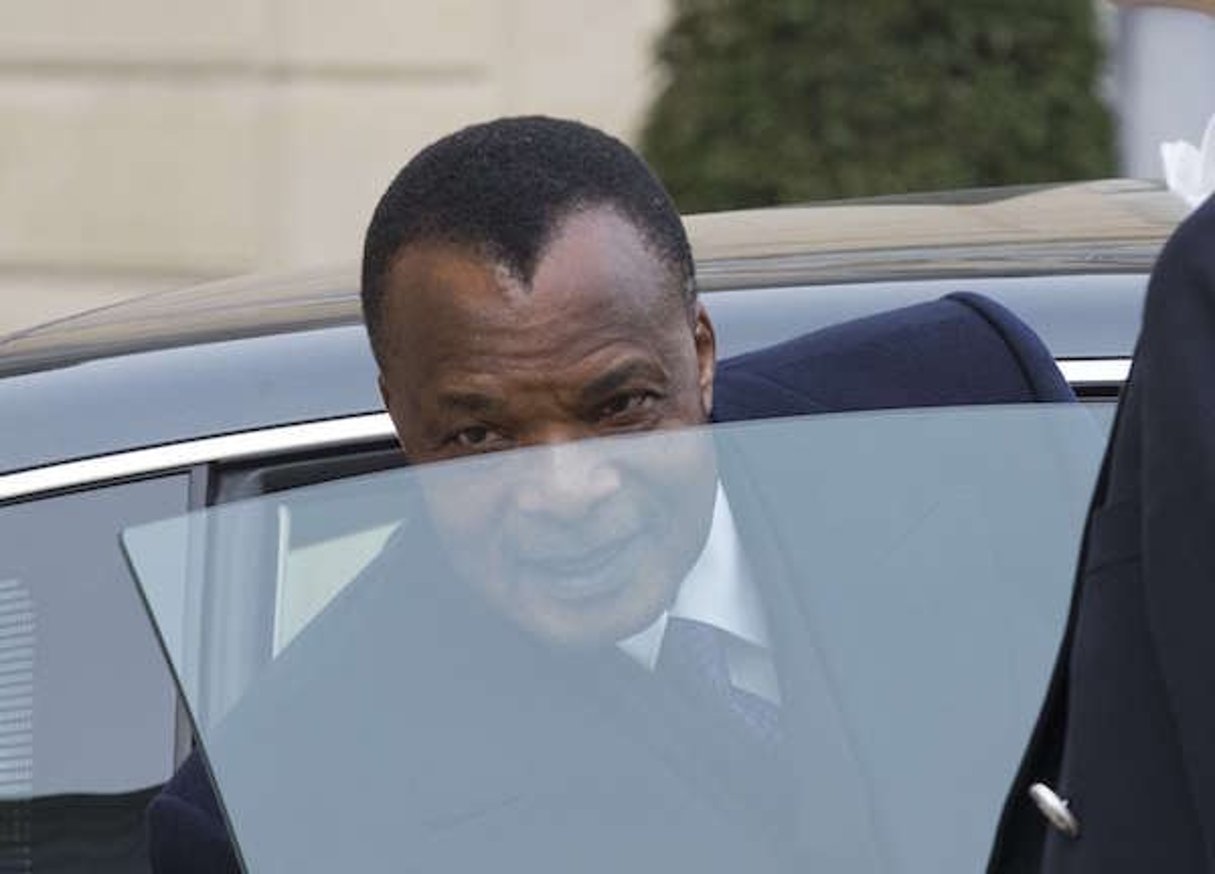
(186, 831)
(1175, 371)
(1043, 380)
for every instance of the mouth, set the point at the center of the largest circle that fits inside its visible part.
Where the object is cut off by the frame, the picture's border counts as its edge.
(584, 575)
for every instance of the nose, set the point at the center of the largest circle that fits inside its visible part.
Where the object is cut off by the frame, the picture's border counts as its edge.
(567, 481)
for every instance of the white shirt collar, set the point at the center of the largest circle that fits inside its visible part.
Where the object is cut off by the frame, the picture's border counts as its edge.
(718, 590)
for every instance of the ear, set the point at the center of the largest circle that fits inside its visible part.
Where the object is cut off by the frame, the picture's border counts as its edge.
(705, 339)
(393, 412)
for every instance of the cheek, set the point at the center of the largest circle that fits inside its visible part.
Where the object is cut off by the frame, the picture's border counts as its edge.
(677, 477)
(464, 511)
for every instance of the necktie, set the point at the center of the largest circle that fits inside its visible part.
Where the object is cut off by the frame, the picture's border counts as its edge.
(693, 656)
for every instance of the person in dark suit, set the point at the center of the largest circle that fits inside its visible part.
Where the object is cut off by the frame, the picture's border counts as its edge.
(528, 283)
(1122, 762)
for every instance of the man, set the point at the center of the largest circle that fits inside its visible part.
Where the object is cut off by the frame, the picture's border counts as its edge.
(1124, 751)
(528, 283)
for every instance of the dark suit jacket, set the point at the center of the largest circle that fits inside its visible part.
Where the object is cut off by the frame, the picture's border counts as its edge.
(960, 350)
(1127, 733)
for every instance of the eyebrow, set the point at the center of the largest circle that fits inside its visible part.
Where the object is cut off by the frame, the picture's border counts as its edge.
(617, 378)
(469, 402)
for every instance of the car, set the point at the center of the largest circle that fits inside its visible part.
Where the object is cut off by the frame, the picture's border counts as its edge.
(211, 400)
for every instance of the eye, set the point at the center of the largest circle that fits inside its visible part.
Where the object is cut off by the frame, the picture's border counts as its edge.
(628, 402)
(474, 437)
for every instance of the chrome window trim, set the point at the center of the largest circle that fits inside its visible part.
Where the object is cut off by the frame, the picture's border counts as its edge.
(227, 447)
(1095, 371)
(1080, 372)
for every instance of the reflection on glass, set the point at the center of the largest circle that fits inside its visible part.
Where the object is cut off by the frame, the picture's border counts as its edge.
(806, 644)
(312, 571)
(17, 627)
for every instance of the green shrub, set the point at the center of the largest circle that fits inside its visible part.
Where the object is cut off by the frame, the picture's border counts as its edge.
(778, 101)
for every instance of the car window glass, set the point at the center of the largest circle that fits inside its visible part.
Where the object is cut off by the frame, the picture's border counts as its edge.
(1077, 315)
(314, 551)
(87, 706)
(473, 697)
(1103, 411)
(318, 557)
(315, 560)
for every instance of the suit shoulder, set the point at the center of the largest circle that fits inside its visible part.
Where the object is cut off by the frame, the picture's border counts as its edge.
(960, 349)
(1195, 234)
(1182, 285)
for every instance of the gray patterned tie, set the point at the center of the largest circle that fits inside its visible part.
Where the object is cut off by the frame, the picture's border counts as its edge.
(693, 656)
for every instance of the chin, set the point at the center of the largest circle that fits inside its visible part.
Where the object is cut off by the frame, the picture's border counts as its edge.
(592, 625)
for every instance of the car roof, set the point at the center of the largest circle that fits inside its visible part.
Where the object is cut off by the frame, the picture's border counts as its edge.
(1104, 226)
(251, 353)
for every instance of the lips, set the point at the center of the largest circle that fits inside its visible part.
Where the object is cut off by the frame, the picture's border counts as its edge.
(585, 573)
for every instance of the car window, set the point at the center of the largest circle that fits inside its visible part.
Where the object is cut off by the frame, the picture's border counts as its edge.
(87, 706)
(318, 555)
(1103, 411)
(1076, 315)
(314, 551)
(315, 559)
(495, 686)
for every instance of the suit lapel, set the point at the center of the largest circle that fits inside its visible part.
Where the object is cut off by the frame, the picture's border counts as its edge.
(715, 758)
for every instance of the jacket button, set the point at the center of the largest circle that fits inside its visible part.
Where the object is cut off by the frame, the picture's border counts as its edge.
(1055, 809)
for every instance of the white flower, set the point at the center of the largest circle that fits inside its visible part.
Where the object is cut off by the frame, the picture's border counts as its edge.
(1190, 172)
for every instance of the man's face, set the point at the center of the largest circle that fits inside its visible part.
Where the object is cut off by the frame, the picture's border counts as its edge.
(579, 543)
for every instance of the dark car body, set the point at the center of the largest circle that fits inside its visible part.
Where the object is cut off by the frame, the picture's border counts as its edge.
(190, 398)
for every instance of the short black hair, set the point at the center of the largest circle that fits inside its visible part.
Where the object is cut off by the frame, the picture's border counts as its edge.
(502, 188)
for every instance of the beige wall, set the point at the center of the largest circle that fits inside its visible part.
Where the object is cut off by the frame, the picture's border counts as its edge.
(1166, 67)
(144, 143)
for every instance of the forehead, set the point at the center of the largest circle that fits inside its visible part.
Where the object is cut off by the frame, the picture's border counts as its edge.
(597, 282)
